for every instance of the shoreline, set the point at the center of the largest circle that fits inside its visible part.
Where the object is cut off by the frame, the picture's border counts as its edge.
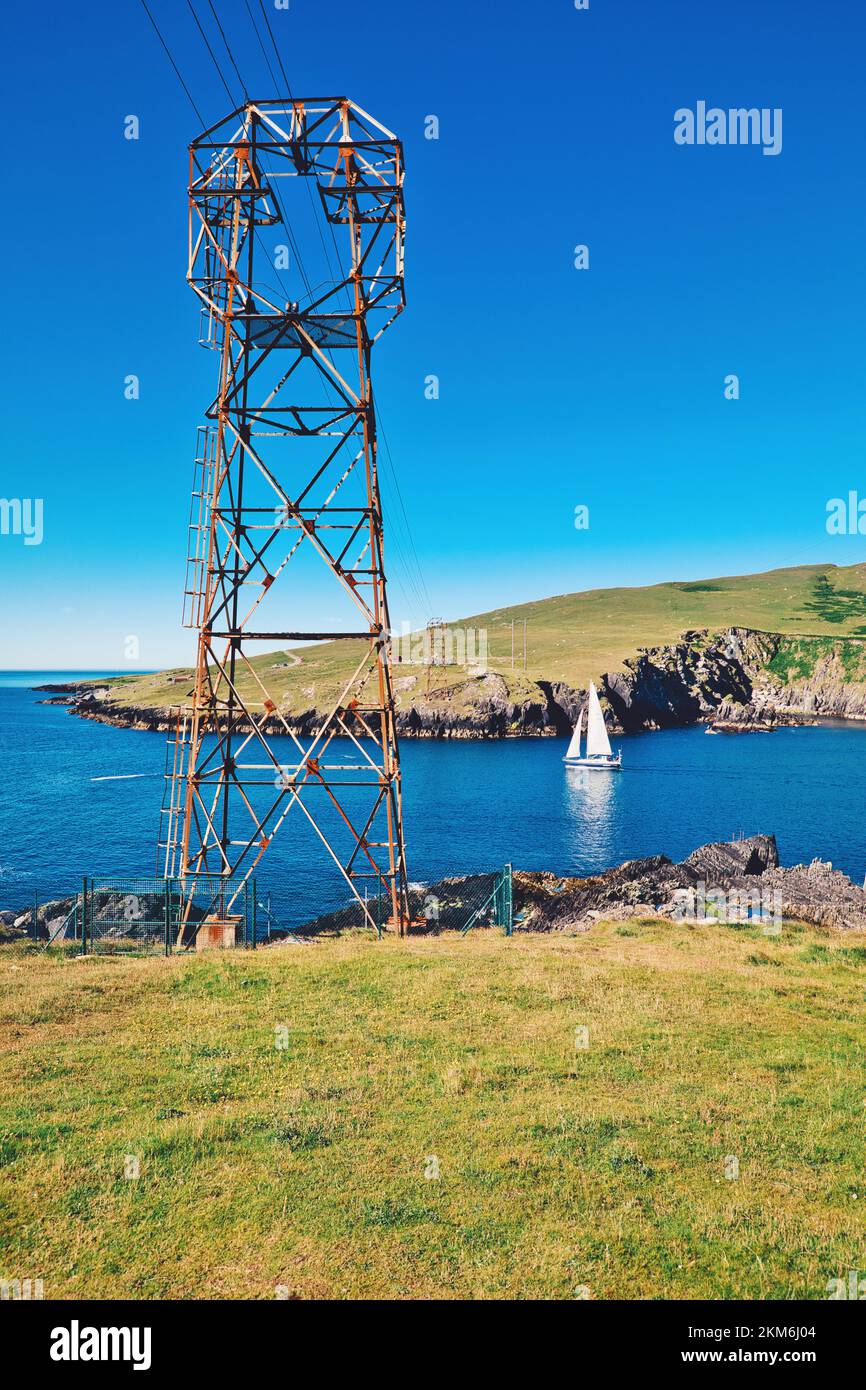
(725, 718)
(728, 883)
(733, 680)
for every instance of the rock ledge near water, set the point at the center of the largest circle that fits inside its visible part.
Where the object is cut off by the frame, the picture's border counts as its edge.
(730, 882)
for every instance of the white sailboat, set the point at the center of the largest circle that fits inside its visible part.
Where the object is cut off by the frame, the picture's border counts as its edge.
(598, 750)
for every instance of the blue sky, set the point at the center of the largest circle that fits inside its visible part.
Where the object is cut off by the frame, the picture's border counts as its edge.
(558, 387)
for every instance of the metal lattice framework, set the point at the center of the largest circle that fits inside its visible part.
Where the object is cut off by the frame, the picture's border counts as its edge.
(280, 477)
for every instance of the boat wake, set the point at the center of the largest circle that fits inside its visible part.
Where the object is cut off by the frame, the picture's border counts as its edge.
(124, 776)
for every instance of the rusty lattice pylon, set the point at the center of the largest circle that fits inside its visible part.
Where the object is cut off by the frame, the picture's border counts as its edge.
(282, 476)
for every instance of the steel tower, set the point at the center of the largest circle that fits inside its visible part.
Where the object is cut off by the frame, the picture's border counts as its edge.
(286, 475)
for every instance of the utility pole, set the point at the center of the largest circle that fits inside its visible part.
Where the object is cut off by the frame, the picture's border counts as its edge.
(434, 637)
(279, 475)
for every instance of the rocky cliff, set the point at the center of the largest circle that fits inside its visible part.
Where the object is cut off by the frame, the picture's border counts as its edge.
(739, 677)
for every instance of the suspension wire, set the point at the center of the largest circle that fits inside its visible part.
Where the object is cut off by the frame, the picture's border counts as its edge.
(287, 224)
(334, 272)
(228, 50)
(211, 52)
(173, 63)
(276, 50)
(317, 221)
(261, 46)
(234, 102)
(420, 588)
(422, 598)
(424, 594)
(327, 388)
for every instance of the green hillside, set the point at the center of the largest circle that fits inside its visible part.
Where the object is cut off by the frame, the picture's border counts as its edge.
(562, 1172)
(572, 638)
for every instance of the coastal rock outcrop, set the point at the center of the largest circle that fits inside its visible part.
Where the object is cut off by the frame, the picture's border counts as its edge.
(481, 706)
(738, 878)
(728, 860)
(736, 679)
(756, 717)
(818, 893)
(684, 683)
(728, 882)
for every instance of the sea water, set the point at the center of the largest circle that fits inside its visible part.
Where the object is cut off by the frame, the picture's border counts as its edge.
(79, 798)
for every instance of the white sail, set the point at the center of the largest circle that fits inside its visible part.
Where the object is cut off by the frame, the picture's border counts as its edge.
(597, 741)
(573, 750)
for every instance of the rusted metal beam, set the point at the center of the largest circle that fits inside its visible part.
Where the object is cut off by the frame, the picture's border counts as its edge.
(258, 501)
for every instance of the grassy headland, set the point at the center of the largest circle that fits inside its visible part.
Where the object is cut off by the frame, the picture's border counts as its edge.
(572, 638)
(560, 1167)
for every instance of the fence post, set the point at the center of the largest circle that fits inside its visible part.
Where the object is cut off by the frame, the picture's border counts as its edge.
(509, 900)
(167, 911)
(84, 916)
(255, 924)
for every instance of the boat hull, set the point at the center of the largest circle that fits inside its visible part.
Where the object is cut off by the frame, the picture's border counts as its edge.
(601, 764)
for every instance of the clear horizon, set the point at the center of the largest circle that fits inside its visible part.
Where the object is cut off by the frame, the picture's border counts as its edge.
(155, 668)
(559, 388)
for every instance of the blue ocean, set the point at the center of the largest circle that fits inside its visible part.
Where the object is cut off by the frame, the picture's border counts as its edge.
(469, 806)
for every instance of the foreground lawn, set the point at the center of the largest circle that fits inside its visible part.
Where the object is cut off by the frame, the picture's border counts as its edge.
(290, 1108)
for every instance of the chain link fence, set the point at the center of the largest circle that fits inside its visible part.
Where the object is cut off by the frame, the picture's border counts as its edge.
(153, 915)
(118, 915)
(452, 904)
(462, 904)
(30, 929)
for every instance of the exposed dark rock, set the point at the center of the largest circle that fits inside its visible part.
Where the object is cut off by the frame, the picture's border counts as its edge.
(746, 871)
(820, 894)
(115, 915)
(10, 935)
(443, 906)
(722, 862)
(655, 886)
(544, 902)
(48, 917)
(752, 718)
(723, 678)
(564, 704)
(666, 687)
(743, 875)
(480, 706)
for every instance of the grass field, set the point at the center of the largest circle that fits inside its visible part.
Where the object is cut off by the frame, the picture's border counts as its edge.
(573, 638)
(563, 1171)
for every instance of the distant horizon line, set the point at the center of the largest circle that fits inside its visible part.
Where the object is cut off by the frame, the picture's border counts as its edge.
(523, 603)
(82, 670)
